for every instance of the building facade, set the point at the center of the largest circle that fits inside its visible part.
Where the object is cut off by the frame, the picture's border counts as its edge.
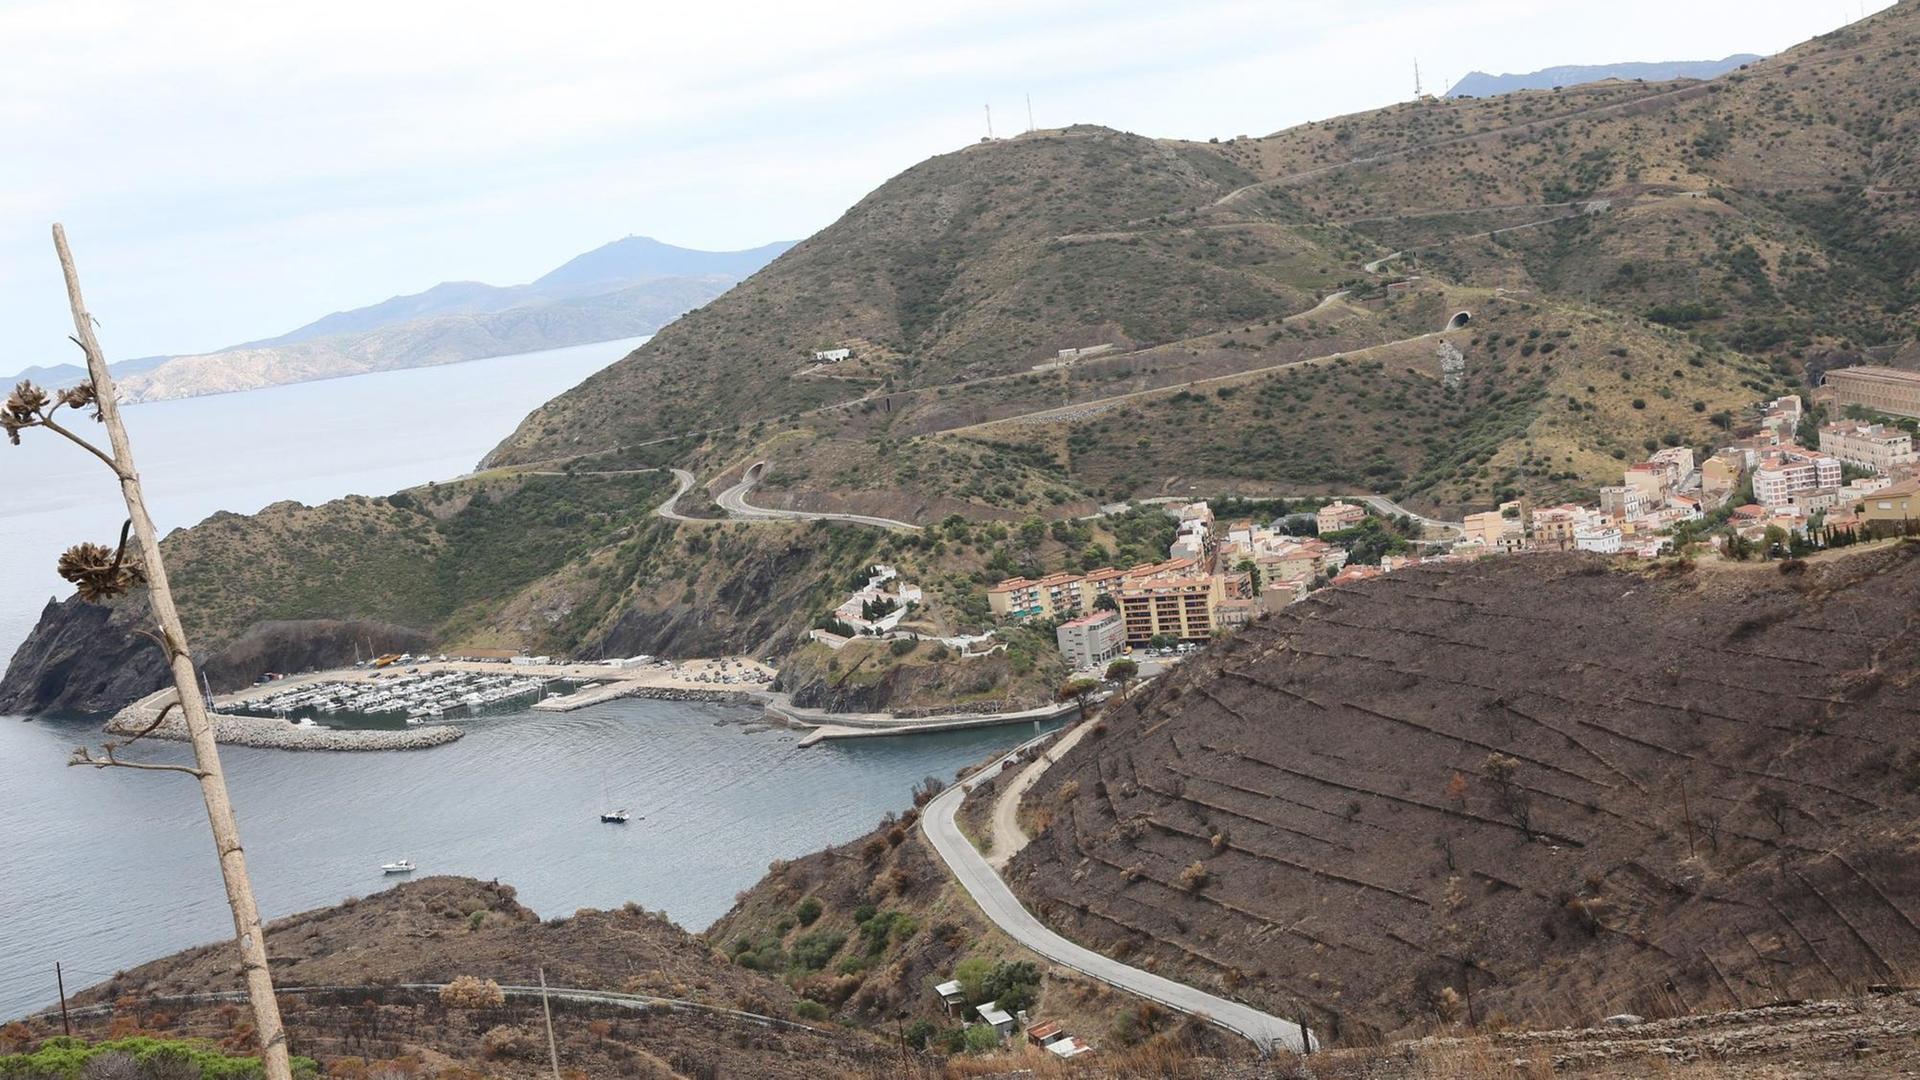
(1789, 471)
(1881, 389)
(1092, 640)
(1173, 599)
(1870, 446)
(1339, 515)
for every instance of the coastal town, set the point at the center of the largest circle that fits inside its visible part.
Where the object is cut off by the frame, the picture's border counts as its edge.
(1803, 475)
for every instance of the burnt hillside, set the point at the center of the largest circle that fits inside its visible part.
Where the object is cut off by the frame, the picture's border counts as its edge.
(1539, 788)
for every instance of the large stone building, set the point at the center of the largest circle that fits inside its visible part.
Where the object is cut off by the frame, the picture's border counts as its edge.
(1870, 446)
(1881, 389)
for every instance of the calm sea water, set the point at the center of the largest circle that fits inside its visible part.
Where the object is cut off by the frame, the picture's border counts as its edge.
(104, 870)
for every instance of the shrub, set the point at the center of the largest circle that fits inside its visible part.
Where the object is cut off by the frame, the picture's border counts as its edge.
(813, 950)
(1194, 877)
(808, 910)
(810, 1010)
(469, 992)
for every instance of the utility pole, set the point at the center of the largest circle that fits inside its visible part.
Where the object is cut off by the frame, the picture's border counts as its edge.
(66, 1025)
(553, 1049)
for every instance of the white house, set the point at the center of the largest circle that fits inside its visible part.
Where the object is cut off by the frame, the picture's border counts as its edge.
(831, 356)
(1601, 538)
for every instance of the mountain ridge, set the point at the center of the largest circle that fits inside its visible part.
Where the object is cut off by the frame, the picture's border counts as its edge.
(1484, 84)
(627, 288)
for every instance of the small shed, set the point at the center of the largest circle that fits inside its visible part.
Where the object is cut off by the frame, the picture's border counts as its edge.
(1071, 1046)
(991, 1013)
(950, 994)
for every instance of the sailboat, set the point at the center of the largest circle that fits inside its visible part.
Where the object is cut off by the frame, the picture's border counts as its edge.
(612, 817)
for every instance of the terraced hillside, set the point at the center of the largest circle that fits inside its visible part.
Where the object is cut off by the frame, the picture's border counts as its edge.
(1539, 789)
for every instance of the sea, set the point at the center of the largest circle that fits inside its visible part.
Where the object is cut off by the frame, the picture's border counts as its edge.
(101, 870)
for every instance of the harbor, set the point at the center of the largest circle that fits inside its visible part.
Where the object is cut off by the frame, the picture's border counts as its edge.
(415, 703)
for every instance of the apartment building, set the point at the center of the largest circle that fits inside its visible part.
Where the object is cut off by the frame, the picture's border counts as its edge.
(1056, 596)
(1175, 598)
(1788, 470)
(1869, 446)
(1092, 640)
(1882, 389)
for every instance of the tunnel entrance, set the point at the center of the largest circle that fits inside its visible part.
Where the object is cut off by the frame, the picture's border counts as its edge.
(1460, 319)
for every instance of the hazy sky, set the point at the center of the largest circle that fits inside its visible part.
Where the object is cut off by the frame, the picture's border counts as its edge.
(228, 171)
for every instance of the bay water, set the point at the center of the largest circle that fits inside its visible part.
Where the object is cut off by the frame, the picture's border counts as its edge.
(102, 870)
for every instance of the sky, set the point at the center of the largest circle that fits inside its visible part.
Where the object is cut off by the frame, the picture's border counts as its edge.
(228, 171)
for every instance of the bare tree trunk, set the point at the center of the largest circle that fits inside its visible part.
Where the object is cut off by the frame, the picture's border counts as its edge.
(206, 753)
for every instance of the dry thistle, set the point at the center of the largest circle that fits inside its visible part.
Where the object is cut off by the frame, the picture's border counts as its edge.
(100, 572)
(23, 409)
(80, 397)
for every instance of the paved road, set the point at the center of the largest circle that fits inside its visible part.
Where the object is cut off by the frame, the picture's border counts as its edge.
(684, 481)
(734, 502)
(1393, 509)
(998, 904)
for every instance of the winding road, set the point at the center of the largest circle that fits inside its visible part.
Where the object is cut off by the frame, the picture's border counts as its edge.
(1000, 906)
(734, 502)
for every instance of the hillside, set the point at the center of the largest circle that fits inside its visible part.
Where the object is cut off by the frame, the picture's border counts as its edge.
(437, 929)
(1482, 84)
(1729, 235)
(1543, 789)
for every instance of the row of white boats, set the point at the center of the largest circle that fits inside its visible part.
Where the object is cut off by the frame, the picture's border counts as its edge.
(421, 698)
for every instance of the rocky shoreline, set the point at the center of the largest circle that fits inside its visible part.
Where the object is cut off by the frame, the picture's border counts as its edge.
(270, 734)
(680, 693)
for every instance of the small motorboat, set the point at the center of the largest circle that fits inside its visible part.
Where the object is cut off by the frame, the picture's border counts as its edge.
(398, 866)
(617, 817)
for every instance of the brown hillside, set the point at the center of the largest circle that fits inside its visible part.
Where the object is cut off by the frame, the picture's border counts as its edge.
(1553, 787)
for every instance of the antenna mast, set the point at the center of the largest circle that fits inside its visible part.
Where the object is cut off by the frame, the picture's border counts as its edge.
(1417, 95)
(989, 109)
(1029, 112)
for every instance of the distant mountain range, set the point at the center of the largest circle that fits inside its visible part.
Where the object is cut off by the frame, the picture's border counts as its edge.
(1481, 84)
(626, 288)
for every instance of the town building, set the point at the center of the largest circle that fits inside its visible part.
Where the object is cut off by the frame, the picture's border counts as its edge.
(1175, 598)
(1892, 508)
(1881, 389)
(1782, 415)
(831, 356)
(1651, 480)
(1339, 515)
(1790, 469)
(1553, 527)
(1869, 446)
(1490, 526)
(1622, 501)
(1603, 539)
(1721, 473)
(1091, 641)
